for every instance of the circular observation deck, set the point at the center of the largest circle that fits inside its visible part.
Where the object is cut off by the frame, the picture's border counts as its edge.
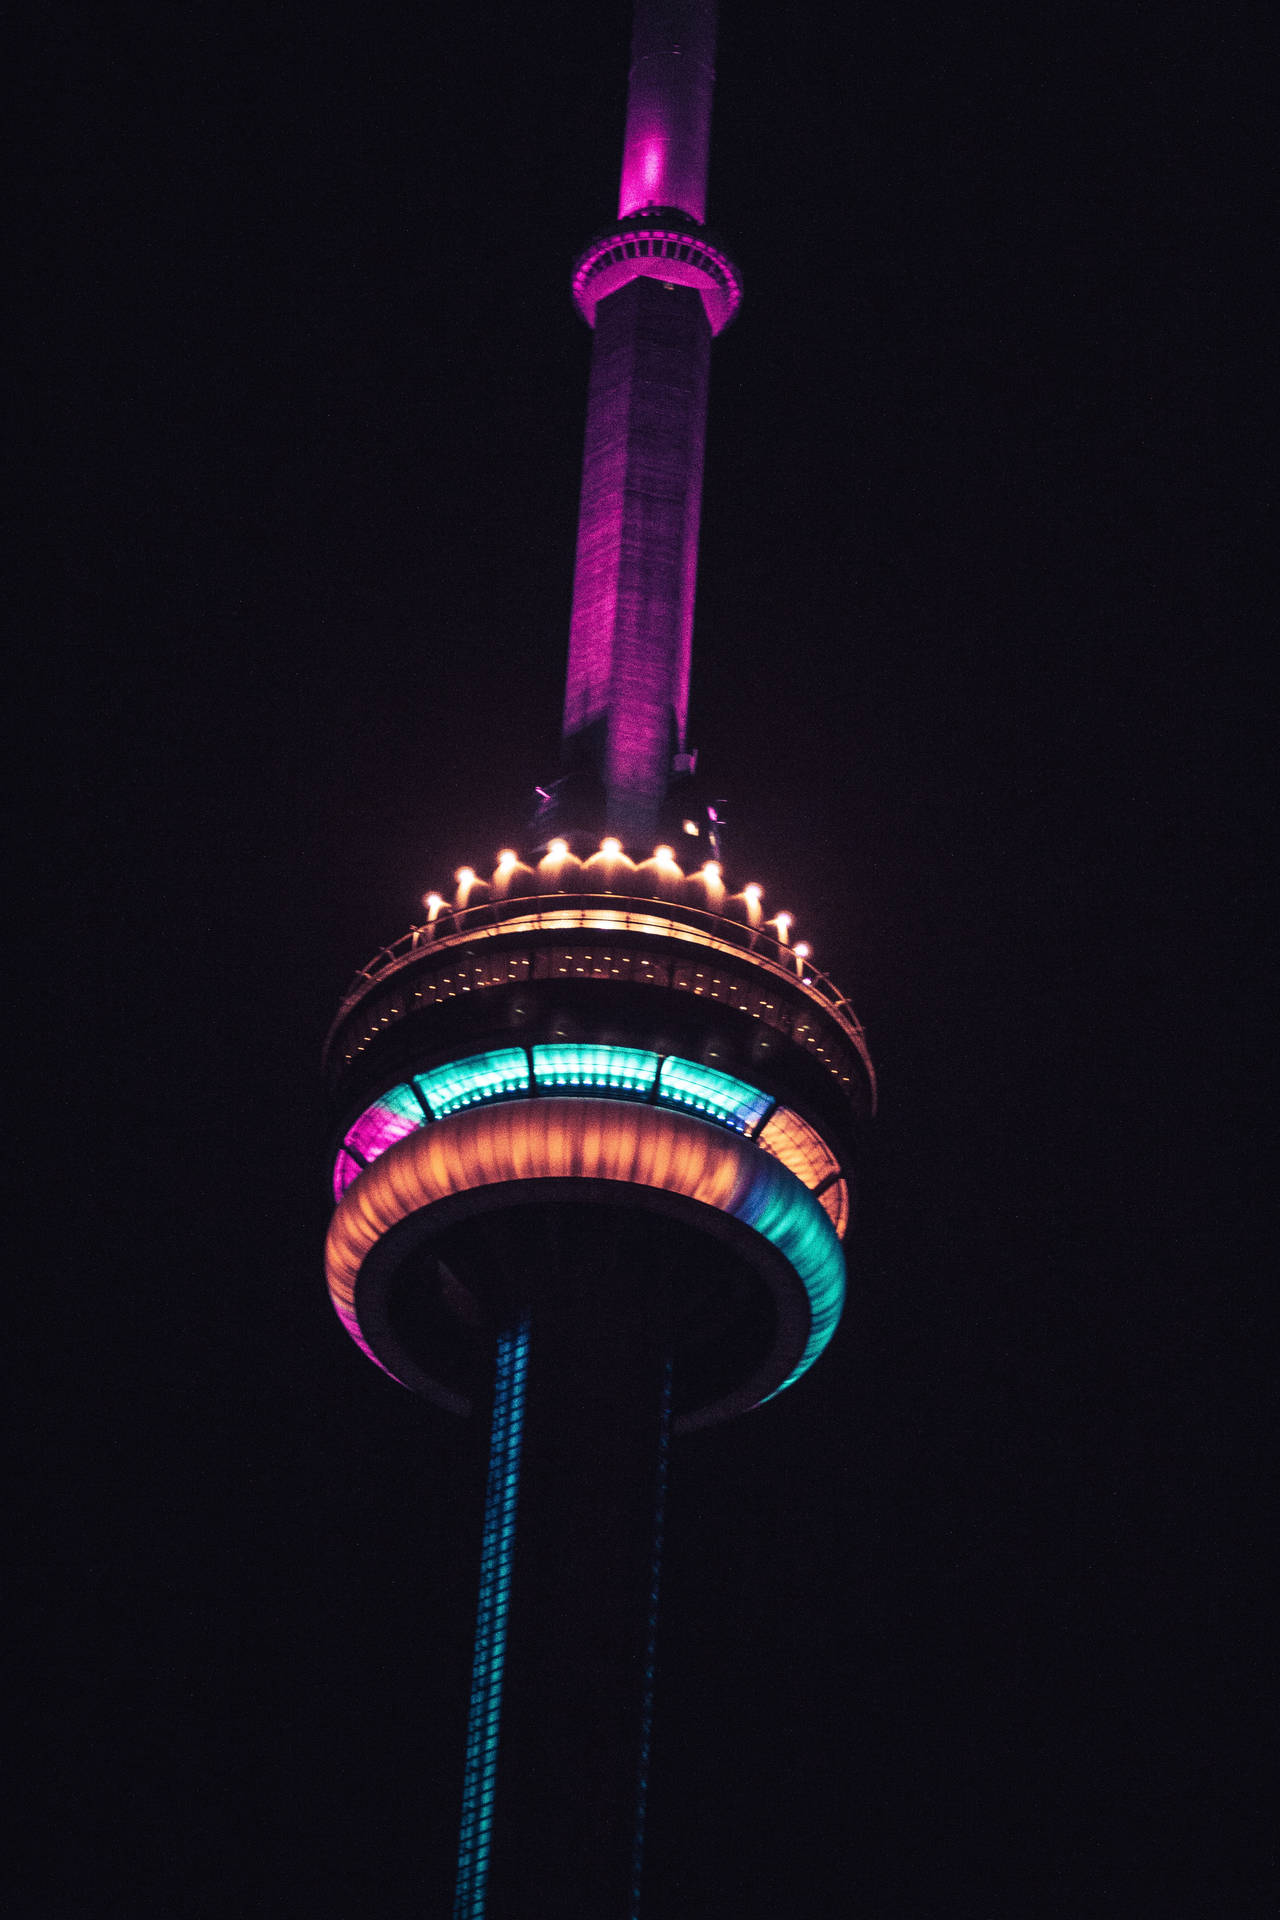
(660, 243)
(606, 1039)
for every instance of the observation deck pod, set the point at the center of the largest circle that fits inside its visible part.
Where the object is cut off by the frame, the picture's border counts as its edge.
(599, 1089)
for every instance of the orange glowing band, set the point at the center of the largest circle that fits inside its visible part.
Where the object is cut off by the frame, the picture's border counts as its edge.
(498, 1155)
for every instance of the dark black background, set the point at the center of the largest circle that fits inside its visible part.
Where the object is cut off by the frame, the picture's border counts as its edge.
(961, 1625)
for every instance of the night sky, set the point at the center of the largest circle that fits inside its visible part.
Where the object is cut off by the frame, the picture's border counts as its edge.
(961, 1626)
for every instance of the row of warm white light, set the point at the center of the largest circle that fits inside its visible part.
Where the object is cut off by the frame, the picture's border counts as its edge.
(612, 849)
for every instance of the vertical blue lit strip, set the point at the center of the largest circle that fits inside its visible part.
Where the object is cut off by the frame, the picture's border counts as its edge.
(491, 1624)
(655, 1571)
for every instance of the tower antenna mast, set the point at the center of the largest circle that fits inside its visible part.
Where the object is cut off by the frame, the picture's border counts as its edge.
(655, 288)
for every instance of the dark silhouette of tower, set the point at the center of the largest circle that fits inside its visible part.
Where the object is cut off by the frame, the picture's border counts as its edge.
(598, 1116)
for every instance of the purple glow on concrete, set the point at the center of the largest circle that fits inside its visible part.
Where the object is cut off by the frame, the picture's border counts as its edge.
(656, 897)
(668, 133)
(652, 168)
(631, 629)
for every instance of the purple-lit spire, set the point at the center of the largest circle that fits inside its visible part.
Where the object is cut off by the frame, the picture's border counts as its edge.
(655, 289)
(664, 152)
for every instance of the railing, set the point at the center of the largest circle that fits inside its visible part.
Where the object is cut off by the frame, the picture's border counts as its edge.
(608, 913)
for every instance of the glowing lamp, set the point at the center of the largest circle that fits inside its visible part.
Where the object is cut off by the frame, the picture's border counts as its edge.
(559, 850)
(752, 893)
(665, 855)
(611, 849)
(691, 827)
(507, 859)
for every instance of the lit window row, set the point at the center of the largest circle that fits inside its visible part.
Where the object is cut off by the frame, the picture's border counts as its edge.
(610, 962)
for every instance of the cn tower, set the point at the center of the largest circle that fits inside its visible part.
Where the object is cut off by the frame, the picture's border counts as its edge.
(597, 1117)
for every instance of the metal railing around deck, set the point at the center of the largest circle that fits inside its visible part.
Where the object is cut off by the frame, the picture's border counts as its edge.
(609, 913)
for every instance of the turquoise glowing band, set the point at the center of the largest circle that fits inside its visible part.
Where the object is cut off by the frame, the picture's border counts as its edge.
(465, 1083)
(804, 1235)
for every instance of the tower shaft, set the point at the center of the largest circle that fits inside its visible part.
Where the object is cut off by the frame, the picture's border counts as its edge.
(631, 629)
(668, 134)
(631, 633)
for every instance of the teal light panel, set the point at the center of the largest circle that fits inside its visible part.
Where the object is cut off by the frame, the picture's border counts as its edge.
(465, 1083)
(603, 1070)
(786, 1213)
(496, 1556)
(718, 1096)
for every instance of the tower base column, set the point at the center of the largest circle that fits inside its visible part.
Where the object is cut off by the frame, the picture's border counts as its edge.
(573, 1745)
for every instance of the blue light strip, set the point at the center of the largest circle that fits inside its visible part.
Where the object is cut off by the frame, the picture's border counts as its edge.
(655, 1570)
(491, 1624)
(683, 1083)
